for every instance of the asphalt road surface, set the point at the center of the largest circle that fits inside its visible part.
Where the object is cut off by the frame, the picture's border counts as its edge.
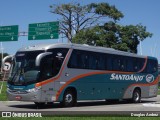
(151, 105)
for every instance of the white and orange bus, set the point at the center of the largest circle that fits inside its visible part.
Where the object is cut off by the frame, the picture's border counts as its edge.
(67, 73)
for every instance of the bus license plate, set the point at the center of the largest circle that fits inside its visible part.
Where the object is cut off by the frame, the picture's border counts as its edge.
(18, 97)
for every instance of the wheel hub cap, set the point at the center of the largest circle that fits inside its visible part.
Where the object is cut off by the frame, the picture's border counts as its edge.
(68, 98)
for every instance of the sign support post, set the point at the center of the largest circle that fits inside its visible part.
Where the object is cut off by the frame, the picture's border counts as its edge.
(1, 57)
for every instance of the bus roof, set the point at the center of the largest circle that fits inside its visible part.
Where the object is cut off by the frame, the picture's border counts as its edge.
(45, 47)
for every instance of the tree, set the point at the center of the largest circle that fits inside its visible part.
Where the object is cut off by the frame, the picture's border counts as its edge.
(75, 17)
(96, 24)
(112, 35)
(131, 35)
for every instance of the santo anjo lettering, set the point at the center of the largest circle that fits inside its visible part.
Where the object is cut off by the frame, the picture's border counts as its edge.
(115, 76)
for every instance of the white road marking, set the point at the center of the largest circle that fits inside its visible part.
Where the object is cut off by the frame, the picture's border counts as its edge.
(151, 105)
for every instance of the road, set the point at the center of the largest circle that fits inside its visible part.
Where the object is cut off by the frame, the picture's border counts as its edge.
(86, 107)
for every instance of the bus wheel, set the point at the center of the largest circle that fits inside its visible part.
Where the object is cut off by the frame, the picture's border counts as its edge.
(69, 99)
(136, 97)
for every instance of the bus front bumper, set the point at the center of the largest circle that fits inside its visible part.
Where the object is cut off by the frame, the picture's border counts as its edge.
(24, 96)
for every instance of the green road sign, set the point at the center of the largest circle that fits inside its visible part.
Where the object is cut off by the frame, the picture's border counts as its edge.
(9, 33)
(47, 30)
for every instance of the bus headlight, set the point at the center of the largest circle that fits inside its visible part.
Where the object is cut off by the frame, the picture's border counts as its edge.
(33, 89)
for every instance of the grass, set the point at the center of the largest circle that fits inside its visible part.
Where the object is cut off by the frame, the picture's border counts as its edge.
(3, 96)
(158, 91)
(86, 118)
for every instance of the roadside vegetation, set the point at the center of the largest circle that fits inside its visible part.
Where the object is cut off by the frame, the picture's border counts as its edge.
(97, 24)
(159, 89)
(86, 118)
(3, 96)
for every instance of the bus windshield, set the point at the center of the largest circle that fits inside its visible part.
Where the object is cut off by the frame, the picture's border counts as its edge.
(24, 71)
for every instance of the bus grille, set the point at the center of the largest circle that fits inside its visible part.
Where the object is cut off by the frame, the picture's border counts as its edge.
(18, 92)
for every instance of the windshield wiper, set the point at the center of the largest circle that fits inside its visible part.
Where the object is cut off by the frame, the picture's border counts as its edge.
(13, 78)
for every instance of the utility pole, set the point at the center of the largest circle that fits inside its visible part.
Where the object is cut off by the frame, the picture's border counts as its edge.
(140, 47)
(1, 54)
(1, 57)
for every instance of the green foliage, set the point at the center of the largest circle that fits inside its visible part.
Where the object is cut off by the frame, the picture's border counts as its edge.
(86, 22)
(106, 10)
(3, 96)
(75, 17)
(132, 35)
(112, 35)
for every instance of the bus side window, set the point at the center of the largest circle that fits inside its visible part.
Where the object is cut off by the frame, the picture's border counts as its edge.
(79, 59)
(84, 58)
(116, 62)
(73, 60)
(155, 66)
(152, 66)
(57, 63)
(140, 62)
(136, 67)
(123, 63)
(101, 61)
(148, 67)
(47, 68)
(108, 61)
(130, 64)
(92, 61)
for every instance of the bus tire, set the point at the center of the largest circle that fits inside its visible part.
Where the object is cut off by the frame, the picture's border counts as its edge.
(69, 99)
(136, 97)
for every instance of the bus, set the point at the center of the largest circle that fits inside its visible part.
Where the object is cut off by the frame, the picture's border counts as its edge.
(68, 73)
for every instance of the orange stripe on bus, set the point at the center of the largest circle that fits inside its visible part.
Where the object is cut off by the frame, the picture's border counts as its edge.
(144, 66)
(85, 75)
(74, 79)
(94, 73)
(146, 84)
(55, 78)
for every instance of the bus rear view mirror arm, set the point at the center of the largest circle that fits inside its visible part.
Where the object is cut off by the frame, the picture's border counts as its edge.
(40, 56)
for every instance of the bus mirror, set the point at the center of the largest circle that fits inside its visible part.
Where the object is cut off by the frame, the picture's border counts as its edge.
(40, 56)
(7, 58)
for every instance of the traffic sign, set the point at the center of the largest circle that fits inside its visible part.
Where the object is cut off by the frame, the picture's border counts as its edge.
(7, 66)
(47, 30)
(9, 33)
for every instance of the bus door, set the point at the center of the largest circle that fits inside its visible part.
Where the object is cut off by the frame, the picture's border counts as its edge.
(49, 68)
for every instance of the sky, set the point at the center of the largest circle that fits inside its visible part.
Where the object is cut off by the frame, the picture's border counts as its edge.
(25, 12)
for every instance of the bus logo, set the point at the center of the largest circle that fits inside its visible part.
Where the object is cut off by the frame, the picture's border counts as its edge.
(131, 77)
(59, 55)
(149, 78)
